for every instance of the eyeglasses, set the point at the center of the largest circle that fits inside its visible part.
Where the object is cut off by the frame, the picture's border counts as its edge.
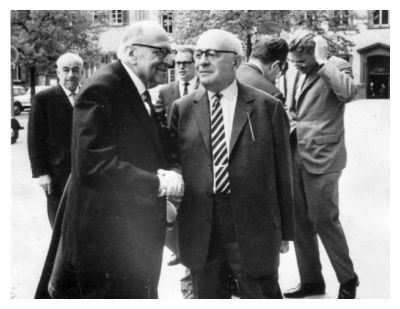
(210, 53)
(184, 63)
(161, 52)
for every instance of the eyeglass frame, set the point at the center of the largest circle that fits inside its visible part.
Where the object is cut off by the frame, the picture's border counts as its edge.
(184, 63)
(217, 52)
(167, 50)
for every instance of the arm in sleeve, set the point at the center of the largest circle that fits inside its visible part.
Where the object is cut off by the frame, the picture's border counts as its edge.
(283, 168)
(96, 161)
(37, 138)
(339, 78)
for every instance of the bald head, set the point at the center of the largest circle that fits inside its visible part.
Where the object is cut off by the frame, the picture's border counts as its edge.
(218, 55)
(220, 39)
(145, 49)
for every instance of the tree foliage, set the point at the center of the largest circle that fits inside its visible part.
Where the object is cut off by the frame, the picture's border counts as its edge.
(42, 36)
(250, 24)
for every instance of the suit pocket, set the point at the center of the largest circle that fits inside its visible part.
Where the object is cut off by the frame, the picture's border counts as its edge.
(327, 139)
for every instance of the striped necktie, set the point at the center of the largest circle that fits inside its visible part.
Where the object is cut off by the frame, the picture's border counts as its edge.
(219, 148)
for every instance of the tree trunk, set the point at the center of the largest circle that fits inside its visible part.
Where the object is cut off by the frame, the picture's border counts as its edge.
(32, 78)
(248, 46)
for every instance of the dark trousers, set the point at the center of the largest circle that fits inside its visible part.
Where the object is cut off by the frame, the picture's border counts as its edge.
(225, 264)
(317, 213)
(171, 242)
(53, 200)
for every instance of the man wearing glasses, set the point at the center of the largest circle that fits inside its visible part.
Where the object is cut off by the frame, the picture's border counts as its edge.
(186, 82)
(316, 101)
(267, 62)
(114, 221)
(233, 146)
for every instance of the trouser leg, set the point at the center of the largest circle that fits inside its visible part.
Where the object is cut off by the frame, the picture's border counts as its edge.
(324, 213)
(251, 287)
(306, 242)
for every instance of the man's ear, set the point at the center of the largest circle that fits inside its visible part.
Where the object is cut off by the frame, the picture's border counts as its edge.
(275, 64)
(237, 61)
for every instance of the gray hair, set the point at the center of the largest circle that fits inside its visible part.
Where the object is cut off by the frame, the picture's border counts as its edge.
(135, 33)
(234, 43)
(69, 55)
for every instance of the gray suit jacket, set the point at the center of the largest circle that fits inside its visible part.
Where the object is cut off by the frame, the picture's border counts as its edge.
(318, 114)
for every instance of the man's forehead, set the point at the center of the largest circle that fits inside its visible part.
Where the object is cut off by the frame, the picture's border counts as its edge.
(70, 63)
(183, 55)
(298, 56)
(154, 38)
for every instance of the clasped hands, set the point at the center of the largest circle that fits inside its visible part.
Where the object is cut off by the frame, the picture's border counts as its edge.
(171, 184)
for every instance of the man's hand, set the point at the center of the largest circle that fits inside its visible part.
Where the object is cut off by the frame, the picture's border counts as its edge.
(171, 184)
(46, 183)
(284, 246)
(321, 50)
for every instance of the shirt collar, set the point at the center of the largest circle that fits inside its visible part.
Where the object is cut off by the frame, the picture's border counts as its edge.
(191, 82)
(69, 92)
(141, 88)
(255, 63)
(229, 92)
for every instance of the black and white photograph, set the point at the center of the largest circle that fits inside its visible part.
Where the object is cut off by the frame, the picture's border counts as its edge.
(200, 153)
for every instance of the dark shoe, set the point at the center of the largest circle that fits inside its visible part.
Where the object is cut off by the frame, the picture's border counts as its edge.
(348, 290)
(306, 289)
(175, 261)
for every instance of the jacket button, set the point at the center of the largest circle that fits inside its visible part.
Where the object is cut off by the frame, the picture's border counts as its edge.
(209, 194)
(209, 220)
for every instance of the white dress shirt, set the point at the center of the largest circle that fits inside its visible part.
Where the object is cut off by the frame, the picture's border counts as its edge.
(141, 88)
(191, 86)
(228, 104)
(69, 94)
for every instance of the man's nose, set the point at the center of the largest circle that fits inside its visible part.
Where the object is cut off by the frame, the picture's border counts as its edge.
(168, 59)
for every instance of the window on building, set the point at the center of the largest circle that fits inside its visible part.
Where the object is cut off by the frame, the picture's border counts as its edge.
(379, 18)
(341, 17)
(119, 17)
(167, 21)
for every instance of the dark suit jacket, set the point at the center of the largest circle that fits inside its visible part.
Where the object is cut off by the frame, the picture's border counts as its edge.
(49, 136)
(260, 177)
(318, 115)
(168, 94)
(113, 227)
(251, 75)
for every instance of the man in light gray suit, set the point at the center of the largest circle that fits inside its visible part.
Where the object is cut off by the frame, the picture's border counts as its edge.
(316, 102)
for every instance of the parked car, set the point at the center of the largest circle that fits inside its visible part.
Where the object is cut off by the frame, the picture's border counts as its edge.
(18, 90)
(22, 102)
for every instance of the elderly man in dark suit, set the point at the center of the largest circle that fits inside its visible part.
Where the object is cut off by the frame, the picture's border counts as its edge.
(316, 101)
(267, 62)
(114, 221)
(232, 142)
(49, 131)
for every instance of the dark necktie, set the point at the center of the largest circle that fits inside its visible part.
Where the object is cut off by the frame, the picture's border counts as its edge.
(219, 148)
(185, 90)
(147, 100)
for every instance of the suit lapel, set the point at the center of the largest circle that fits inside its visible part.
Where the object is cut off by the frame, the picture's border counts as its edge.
(175, 94)
(62, 98)
(202, 114)
(134, 100)
(243, 112)
(310, 79)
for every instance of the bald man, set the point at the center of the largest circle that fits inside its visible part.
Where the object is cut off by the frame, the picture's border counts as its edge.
(114, 221)
(233, 146)
(49, 131)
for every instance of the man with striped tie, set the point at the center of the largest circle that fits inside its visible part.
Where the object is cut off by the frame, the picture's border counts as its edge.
(232, 142)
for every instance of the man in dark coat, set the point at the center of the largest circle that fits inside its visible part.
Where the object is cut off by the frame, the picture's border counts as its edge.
(232, 142)
(113, 225)
(49, 131)
(267, 62)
